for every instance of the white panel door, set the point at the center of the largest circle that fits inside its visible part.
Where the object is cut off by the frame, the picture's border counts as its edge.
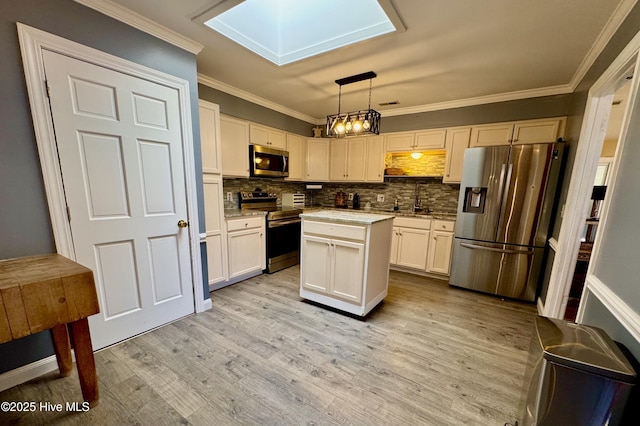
(210, 137)
(315, 268)
(412, 248)
(119, 140)
(356, 158)
(246, 253)
(348, 270)
(214, 218)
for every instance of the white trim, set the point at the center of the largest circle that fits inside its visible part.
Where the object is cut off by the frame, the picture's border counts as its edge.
(587, 157)
(553, 244)
(540, 306)
(239, 93)
(135, 20)
(622, 312)
(208, 304)
(203, 237)
(603, 39)
(28, 372)
(32, 43)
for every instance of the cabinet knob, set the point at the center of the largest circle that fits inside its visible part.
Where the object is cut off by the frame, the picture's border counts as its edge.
(246, 224)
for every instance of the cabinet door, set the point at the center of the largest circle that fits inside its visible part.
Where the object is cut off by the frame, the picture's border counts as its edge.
(457, 142)
(398, 142)
(491, 135)
(234, 143)
(412, 248)
(317, 160)
(395, 236)
(536, 131)
(375, 159)
(210, 136)
(430, 139)
(316, 268)
(214, 216)
(246, 251)
(439, 259)
(266, 136)
(348, 270)
(295, 146)
(338, 160)
(356, 159)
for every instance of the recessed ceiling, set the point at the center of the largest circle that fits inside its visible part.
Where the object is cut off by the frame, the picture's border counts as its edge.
(453, 53)
(285, 31)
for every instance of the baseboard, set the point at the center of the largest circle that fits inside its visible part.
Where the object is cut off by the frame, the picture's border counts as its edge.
(28, 372)
(207, 304)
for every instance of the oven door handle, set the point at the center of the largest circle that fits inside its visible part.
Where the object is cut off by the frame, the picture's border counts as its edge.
(278, 223)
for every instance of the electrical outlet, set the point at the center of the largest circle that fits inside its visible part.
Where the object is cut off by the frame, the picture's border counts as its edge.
(380, 198)
(229, 196)
(351, 196)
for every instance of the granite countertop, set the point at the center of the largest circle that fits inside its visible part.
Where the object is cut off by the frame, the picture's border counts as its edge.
(403, 213)
(228, 213)
(347, 216)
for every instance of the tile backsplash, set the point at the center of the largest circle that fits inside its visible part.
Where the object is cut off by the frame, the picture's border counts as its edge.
(435, 195)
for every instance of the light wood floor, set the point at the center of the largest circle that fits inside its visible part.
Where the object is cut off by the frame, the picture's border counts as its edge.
(428, 355)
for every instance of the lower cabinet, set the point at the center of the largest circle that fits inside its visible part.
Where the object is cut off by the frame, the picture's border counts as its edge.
(422, 245)
(439, 259)
(345, 266)
(246, 246)
(336, 269)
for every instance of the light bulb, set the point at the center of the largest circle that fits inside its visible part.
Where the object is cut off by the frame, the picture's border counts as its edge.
(339, 128)
(366, 125)
(357, 125)
(416, 155)
(348, 126)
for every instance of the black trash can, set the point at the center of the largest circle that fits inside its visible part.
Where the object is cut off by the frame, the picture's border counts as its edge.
(575, 375)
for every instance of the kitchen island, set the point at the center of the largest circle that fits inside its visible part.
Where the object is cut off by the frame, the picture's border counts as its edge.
(344, 261)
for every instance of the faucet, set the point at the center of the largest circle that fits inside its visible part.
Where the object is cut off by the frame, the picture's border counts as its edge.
(416, 202)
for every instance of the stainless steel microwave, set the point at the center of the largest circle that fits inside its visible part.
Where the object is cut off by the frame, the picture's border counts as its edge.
(268, 162)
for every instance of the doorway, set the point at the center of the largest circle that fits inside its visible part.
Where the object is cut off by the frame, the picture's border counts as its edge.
(604, 169)
(166, 162)
(592, 135)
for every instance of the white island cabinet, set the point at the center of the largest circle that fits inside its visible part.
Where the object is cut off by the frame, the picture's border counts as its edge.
(345, 259)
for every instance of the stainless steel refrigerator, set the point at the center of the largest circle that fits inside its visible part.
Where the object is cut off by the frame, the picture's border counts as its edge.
(504, 209)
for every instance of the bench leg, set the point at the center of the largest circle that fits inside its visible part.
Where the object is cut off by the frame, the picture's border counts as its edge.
(60, 336)
(84, 360)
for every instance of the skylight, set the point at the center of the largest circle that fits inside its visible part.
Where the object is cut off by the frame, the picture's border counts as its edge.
(285, 31)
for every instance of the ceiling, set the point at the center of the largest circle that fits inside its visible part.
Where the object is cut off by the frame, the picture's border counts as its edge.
(453, 53)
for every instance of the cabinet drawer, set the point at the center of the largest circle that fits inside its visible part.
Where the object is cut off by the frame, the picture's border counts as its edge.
(443, 225)
(350, 232)
(244, 223)
(412, 222)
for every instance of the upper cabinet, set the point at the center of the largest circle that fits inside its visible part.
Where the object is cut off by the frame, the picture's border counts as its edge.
(375, 159)
(210, 137)
(347, 159)
(401, 141)
(457, 142)
(519, 132)
(430, 139)
(317, 160)
(296, 148)
(266, 136)
(234, 138)
(416, 141)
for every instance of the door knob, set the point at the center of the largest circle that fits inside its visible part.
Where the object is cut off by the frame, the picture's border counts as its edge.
(182, 224)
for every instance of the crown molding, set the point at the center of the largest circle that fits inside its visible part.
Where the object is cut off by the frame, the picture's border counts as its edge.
(131, 18)
(602, 40)
(226, 88)
(481, 100)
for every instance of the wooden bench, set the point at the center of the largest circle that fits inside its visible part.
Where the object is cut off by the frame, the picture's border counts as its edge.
(51, 292)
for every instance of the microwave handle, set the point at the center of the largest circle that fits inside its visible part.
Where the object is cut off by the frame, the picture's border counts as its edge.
(284, 163)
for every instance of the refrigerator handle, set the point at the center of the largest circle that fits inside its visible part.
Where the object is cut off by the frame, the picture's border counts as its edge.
(497, 250)
(504, 193)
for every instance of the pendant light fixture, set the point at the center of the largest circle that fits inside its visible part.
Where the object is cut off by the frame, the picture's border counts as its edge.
(354, 123)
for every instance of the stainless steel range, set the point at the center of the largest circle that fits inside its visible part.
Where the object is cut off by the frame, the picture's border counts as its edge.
(283, 228)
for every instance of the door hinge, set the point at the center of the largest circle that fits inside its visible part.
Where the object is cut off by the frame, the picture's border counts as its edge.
(47, 88)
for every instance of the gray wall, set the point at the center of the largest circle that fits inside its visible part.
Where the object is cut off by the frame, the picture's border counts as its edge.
(245, 110)
(25, 227)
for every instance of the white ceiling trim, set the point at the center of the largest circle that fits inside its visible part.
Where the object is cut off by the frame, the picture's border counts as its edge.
(604, 37)
(226, 88)
(481, 100)
(131, 18)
